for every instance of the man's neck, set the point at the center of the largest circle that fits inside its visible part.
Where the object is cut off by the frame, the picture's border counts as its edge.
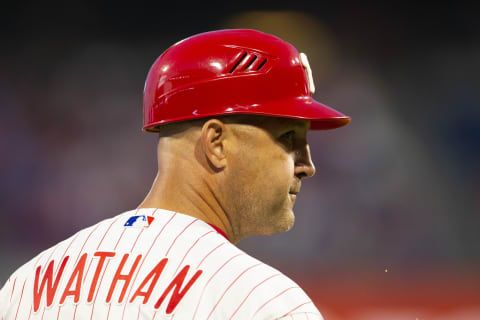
(190, 199)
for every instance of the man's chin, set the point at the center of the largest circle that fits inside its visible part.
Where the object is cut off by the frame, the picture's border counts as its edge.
(284, 223)
(290, 222)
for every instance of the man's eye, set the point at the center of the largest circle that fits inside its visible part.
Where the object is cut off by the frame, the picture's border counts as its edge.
(288, 137)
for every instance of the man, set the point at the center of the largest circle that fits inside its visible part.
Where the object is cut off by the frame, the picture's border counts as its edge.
(232, 109)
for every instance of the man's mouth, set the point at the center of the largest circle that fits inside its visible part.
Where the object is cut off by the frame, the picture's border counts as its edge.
(294, 190)
(293, 194)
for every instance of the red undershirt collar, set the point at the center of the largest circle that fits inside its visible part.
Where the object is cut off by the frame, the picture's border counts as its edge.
(219, 231)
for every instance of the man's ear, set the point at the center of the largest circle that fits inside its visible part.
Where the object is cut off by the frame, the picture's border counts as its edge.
(213, 138)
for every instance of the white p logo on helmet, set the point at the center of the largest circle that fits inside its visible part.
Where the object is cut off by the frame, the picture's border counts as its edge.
(306, 65)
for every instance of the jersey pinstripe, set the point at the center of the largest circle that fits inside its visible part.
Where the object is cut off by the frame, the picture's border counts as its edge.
(151, 264)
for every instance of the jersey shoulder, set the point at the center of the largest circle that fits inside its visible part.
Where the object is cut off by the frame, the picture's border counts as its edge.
(240, 286)
(15, 294)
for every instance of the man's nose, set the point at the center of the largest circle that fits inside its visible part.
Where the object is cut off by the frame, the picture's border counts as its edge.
(304, 167)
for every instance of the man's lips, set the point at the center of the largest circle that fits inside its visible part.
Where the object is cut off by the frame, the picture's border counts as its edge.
(294, 191)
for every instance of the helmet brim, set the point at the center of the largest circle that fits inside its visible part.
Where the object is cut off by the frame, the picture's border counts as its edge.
(322, 117)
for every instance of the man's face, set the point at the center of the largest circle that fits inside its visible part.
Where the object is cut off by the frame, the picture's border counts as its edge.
(266, 161)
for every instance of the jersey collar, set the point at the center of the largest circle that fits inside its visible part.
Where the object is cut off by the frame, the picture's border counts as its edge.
(219, 231)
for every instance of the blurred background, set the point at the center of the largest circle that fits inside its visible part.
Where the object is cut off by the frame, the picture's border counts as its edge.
(389, 226)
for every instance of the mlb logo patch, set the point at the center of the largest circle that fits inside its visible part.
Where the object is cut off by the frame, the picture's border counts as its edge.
(141, 221)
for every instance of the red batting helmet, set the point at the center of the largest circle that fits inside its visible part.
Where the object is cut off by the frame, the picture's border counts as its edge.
(233, 72)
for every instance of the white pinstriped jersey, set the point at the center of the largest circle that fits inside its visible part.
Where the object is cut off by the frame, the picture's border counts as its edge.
(151, 264)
